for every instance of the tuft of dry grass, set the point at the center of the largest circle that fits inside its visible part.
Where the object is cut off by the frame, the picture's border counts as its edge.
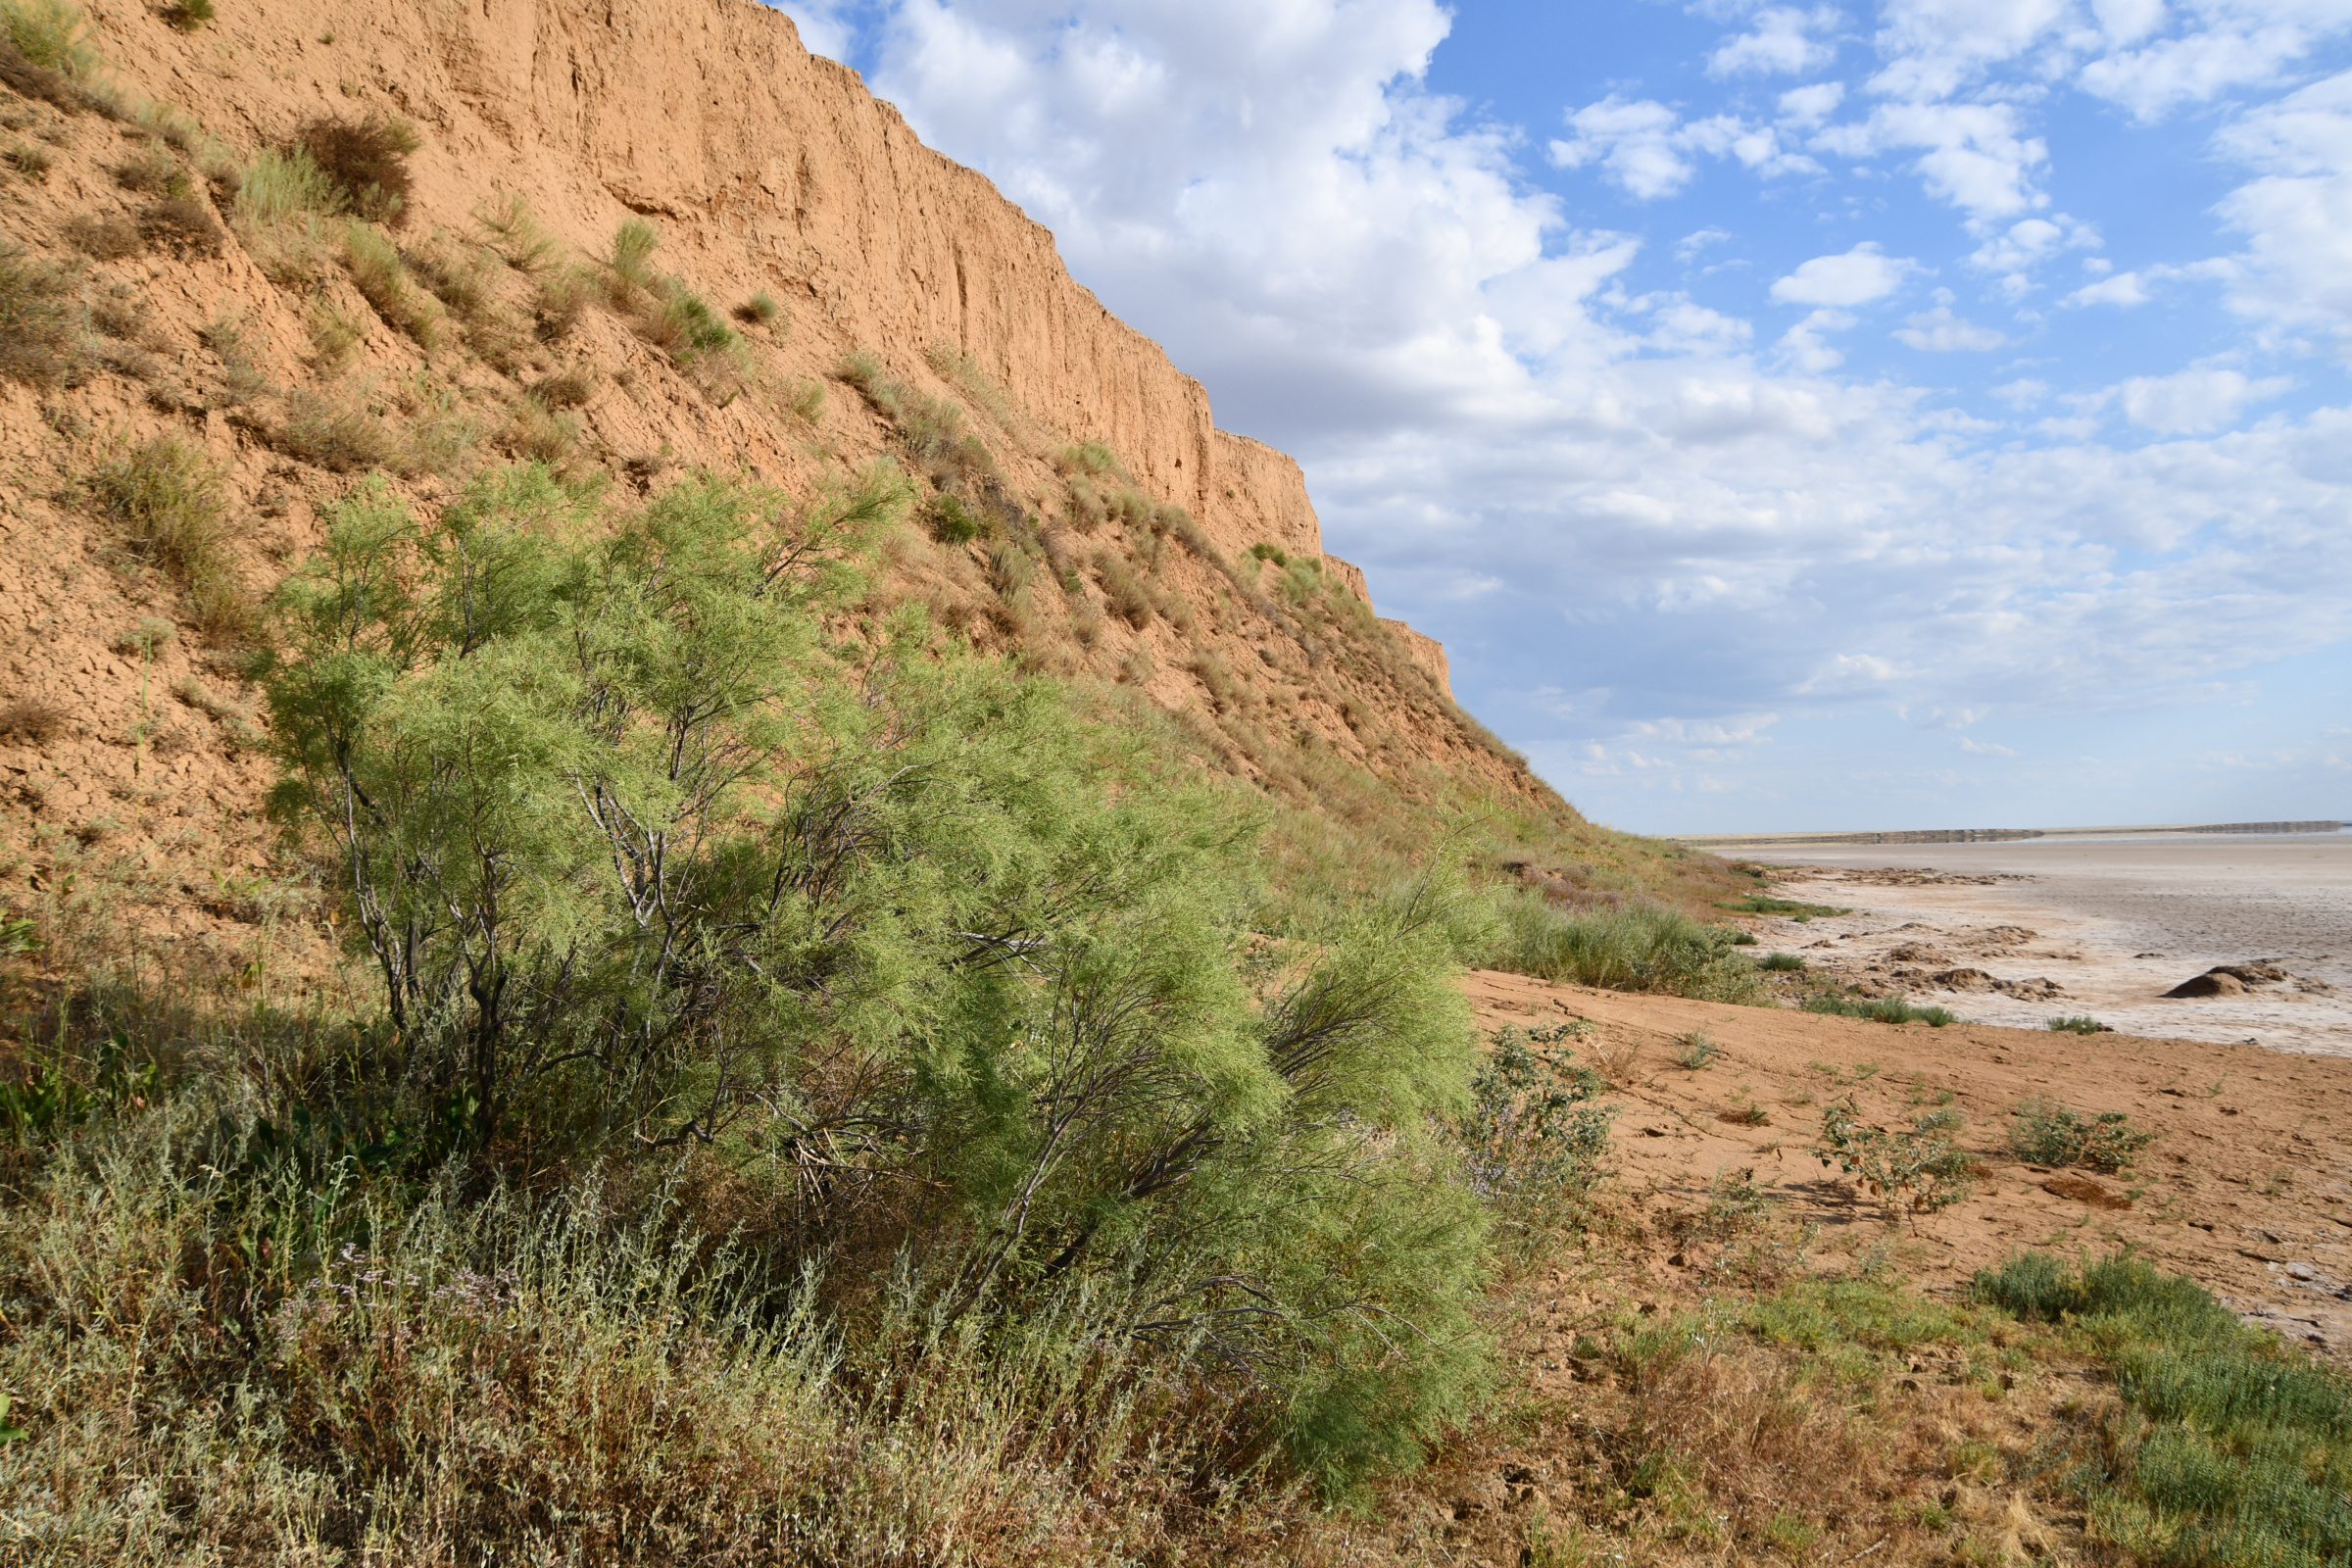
(242, 378)
(558, 298)
(152, 171)
(38, 338)
(568, 388)
(518, 236)
(170, 503)
(381, 275)
(1618, 1061)
(1122, 592)
(30, 721)
(181, 225)
(104, 239)
(335, 433)
(365, 160)
(542, 434)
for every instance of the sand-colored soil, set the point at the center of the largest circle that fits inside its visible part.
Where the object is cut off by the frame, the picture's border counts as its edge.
(2244, 1189)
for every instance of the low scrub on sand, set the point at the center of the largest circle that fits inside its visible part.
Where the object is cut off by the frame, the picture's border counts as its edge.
(2047, 1133)
(2223, 1448)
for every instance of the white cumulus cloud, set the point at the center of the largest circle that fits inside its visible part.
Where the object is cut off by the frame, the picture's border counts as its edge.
(1940, 331)
(2193, 401)
(1783, 41)
(1862, 275)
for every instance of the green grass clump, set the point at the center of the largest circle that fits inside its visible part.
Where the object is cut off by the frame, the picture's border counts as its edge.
(760, 310)
(280, 186)
(49, 35)
(381, 275)
(1696, 1049)
(2077, 1024)
(1640, 947)
(1886, 1009)
(2047, 1133)
(1761, 904)
(336, 432)
(2232, 1448)
(930, 431)
(170, 503)
(668, 314)
(1781, 962)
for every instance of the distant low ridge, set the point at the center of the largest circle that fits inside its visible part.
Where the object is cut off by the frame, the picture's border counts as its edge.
(1995, 835)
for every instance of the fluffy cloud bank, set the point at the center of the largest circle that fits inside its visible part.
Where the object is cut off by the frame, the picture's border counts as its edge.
(1592, 487)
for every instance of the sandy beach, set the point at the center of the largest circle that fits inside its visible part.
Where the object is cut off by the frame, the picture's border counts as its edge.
(2014, 932)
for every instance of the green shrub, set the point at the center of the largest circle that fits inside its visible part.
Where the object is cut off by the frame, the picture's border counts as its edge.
(1782, 963)
(2047, 1133)
(1640, 947)
(758, 311)
(2077, 1024)
(1911, 1170)
(968, 981)
(1534, 1140)
(188, 15)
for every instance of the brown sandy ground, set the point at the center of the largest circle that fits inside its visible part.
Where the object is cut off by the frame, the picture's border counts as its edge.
(1737, 1447)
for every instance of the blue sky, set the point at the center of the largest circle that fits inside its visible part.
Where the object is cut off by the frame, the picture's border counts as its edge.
(1924, 414)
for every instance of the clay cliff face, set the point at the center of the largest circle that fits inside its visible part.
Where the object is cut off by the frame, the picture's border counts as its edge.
(905, 289)
(766, 168)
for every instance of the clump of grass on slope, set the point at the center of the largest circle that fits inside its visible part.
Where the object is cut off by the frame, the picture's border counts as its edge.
(170, 502)
(38, 338)
(1640, 947)
(2229, 1447)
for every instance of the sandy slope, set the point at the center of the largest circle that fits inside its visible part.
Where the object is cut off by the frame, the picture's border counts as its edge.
(2245, 1188)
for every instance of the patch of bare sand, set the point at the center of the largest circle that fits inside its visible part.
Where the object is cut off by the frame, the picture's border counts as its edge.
(2244, 1190)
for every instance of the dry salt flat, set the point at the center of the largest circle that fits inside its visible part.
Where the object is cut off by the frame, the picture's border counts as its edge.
(2110, 924)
